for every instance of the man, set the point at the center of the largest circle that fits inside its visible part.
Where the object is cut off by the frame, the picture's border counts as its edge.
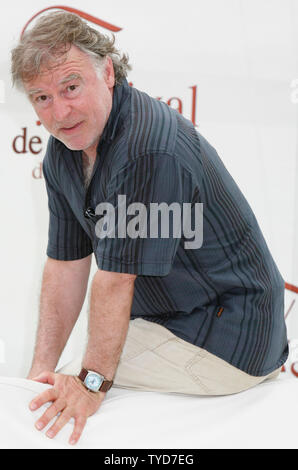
(164, 316)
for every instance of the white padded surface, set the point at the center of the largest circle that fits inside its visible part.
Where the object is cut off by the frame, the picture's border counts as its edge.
(262, 417)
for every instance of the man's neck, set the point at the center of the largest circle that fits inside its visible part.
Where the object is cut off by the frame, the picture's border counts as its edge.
(87, 165)
(90, 154)
(91, 151)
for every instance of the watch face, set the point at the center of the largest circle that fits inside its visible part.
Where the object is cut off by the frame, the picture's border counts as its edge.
(93, 381)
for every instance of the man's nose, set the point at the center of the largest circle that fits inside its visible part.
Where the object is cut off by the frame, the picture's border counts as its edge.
(61, 110)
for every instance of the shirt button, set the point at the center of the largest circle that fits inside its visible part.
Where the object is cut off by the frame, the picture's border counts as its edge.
(89, 213)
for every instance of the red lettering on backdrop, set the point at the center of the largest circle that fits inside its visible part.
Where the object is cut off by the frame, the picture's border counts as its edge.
(292, 366)
(82, 14)
(179, 109)
(291, 287)
(34, 140)
(293, 370)
(194, 104)
(22, 138)
(19, 143)
(37, 172)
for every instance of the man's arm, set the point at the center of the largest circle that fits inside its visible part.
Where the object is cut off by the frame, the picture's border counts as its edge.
(111, 301)
(63, 291)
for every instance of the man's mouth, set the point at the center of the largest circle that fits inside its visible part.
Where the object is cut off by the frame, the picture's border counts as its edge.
(69, 130)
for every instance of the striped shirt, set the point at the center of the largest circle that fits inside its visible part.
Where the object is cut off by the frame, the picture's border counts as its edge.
(226, 296)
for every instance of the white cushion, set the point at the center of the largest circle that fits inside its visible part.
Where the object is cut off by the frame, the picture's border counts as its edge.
(262, 417)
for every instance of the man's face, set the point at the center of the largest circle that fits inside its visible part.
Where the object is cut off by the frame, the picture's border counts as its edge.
(72, 102)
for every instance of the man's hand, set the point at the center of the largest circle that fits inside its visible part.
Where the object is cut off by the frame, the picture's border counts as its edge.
(70, 398)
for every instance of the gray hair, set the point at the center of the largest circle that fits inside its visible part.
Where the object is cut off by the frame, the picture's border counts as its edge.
(48, 42)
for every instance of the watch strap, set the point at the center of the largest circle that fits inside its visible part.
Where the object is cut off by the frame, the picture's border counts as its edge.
(106, 384)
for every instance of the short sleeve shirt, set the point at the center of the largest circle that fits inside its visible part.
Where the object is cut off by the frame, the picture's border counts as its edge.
(226, 295)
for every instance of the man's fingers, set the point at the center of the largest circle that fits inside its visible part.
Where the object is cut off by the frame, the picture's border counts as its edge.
(80, 423)
(69, 400)
(50, 413)
(48, 395)
(63, 419)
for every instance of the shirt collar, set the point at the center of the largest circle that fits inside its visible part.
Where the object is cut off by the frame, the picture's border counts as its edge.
(119, 109)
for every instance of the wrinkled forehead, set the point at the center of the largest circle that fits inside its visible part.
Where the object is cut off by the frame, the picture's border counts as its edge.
(58, 66)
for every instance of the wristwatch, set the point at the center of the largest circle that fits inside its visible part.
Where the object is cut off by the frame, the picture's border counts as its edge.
(94, 381)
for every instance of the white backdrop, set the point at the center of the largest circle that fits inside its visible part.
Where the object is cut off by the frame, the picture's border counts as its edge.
(241, 58)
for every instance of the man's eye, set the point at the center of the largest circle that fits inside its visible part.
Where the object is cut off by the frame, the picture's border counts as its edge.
(72, 87)
(41, 98)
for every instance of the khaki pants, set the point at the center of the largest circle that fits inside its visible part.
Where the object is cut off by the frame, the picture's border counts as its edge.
(154, 359)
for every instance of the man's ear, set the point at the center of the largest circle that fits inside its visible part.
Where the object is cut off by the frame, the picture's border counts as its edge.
(109, 72)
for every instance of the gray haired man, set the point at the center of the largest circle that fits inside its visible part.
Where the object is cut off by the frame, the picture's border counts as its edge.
(205, 321)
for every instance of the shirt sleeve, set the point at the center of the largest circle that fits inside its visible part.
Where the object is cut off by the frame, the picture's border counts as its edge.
(138, 243)
(67, 239)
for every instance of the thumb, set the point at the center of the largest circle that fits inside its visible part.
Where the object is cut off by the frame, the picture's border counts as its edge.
(45, 377)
